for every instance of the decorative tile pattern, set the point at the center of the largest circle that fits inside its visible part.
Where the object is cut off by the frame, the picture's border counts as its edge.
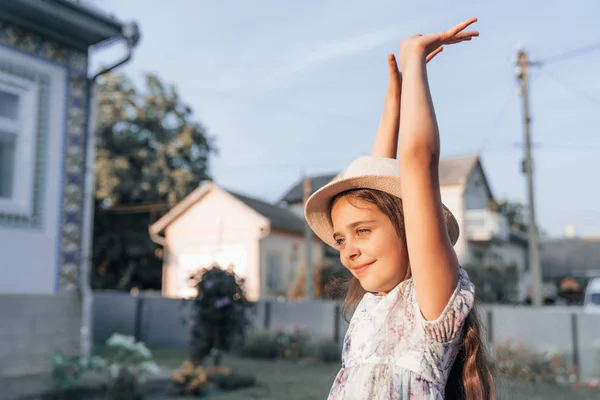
(74, 178)
(79, 61)
(34, 218)
(76, 65)
(32, 43)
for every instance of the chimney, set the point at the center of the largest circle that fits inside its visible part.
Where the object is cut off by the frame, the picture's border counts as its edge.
(570, 231)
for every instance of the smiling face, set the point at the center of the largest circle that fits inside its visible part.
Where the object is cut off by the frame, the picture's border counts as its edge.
(369, 243)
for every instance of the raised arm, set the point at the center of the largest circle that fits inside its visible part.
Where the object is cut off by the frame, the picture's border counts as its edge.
(386, 138)
(434, 264)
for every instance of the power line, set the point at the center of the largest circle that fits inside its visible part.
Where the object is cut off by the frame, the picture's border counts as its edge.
(497, 120)
(569, 54)
(570, 86)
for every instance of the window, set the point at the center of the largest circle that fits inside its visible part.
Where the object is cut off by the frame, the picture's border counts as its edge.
(274, 276)
(18, 123)
(9, 128)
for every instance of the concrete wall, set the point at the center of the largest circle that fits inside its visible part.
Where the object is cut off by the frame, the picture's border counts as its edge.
(33, 327)
(555, 329)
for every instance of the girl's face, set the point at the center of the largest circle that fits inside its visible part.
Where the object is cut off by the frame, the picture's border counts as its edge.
(369, 244)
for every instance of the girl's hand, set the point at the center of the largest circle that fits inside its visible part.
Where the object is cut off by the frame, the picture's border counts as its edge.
(395, 82)
(386, 138)
(427, 46)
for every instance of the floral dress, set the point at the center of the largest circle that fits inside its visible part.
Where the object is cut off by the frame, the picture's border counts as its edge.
(392, 353)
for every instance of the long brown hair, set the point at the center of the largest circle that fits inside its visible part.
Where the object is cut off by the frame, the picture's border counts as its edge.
(470, 377)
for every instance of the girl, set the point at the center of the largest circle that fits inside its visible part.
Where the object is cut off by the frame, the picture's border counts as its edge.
(414, 333)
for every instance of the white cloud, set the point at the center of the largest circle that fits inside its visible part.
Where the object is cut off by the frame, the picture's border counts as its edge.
(279, 75)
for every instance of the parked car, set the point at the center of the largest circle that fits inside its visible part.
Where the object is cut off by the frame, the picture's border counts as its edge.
(591, 301)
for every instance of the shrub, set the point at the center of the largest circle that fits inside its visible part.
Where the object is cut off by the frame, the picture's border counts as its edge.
(293, 345)
(260, 344)
(329, 351)
(219, 313)
(519, 362)
(189, 380)
(67, 371)
(125, 386)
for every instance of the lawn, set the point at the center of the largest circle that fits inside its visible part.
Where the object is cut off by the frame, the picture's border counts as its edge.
(285, 380)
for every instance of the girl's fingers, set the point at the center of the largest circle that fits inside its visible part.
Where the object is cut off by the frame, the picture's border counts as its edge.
(393, 65)
(434, 53)
(457, 28)
(453, 41)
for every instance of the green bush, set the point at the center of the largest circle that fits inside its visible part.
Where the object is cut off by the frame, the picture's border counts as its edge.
(520, 362)
(260, 344)
(329, 351)
(124, 364)
(295, 345)
(125, 386)
(67, 371)
(219, 313)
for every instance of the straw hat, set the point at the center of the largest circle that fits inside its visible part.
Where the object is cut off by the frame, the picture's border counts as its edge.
(366, 172)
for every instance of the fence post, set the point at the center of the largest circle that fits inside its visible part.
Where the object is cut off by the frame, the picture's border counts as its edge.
(267, 315)
(575, 343)
(336, 323)
(490, 327)
(137, 327)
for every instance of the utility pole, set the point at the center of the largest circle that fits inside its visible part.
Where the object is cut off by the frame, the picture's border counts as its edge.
(308, 237)
(532, 232)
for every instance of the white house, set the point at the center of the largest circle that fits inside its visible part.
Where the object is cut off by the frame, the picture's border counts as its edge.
(46, 151)
(485, 238)
(46, 179)
(262, 242)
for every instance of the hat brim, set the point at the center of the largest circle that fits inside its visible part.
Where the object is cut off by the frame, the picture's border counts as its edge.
(317, 210)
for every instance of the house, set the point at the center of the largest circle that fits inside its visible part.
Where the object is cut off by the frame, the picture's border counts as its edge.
(263, 243)
(46, 155)
(486, 238)
(568, 264)
(47, 178)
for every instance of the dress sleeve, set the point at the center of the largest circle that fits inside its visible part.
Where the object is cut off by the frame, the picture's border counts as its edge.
(449, 324)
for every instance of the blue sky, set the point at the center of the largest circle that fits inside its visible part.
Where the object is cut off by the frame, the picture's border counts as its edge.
(293, 87)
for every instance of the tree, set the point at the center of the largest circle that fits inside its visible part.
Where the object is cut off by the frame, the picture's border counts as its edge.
(219, 312)
(150, 155)
(514, 213)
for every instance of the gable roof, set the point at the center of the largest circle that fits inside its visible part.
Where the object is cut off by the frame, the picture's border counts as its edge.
(280, 218)
(453, 171)
(570, 256)
(296, 193)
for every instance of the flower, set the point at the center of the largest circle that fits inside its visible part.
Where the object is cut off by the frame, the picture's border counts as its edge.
(150, 367)
(222, 302)
(119, 340)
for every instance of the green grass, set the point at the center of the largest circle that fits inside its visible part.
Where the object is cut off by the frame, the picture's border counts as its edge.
(287, 380)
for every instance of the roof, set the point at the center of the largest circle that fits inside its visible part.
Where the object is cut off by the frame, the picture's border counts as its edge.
(66, 21)
(577, 257)
(453, 171)
(296, 193)
(280, 218)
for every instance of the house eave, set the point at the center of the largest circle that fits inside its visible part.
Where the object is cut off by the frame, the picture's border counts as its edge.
(65, 21)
